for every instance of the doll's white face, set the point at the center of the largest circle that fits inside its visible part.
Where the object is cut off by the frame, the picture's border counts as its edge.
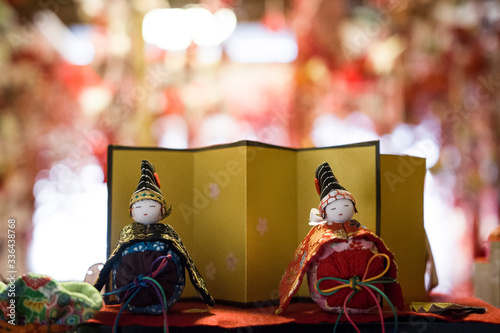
(146, 211)
(339, 211)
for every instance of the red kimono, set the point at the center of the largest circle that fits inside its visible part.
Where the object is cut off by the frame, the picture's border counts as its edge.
(340, 250)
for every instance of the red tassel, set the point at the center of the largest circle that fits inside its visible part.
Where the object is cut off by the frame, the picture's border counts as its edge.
(316, 182)
(157, 180)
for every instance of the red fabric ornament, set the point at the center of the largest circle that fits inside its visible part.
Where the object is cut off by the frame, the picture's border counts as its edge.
(316, 182)
(157, 180)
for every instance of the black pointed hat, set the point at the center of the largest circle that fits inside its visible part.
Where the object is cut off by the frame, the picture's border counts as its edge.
(149, 188)
(329, 188)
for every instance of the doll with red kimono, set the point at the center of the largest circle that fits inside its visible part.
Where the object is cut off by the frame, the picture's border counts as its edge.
(349, 268)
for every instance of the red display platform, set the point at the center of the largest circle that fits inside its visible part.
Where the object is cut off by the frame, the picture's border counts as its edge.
(298, 314)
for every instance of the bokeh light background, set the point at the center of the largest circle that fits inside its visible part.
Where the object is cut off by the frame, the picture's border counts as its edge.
(423, 77)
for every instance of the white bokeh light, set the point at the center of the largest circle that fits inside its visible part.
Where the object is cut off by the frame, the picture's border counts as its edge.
(211, 29)
(166, 29)
(254, 43)
(77, 50)
(69, 222)
(330, 130)
(174, 29)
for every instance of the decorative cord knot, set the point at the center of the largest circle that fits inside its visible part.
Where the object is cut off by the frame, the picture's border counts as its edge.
(144, 281)
(357, 285)
(353, 283)
(139, 281)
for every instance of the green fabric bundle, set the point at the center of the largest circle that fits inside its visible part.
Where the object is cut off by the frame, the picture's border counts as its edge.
(39, 299)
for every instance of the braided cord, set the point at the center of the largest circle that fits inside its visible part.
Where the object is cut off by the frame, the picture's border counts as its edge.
(144, 281)
(357, 284)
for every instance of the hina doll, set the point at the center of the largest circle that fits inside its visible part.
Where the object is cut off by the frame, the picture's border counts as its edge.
(339, 255)
(148, 249)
